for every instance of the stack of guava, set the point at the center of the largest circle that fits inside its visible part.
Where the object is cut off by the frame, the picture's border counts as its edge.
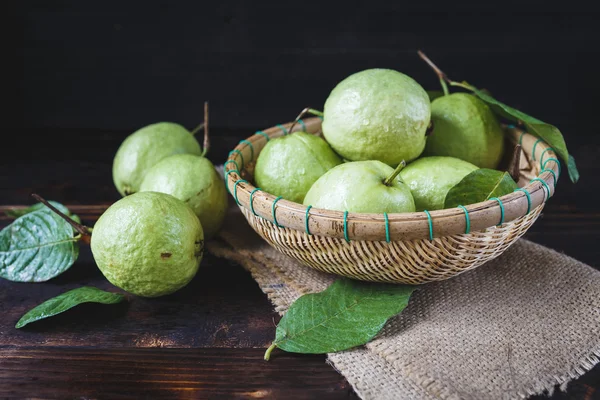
(385, 147)
(151, 242)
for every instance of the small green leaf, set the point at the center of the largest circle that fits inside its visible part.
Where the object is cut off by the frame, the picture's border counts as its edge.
(37, 247)
(19, 212)
(68, 300)
(549, 133)
(346, 314)
(480, 185)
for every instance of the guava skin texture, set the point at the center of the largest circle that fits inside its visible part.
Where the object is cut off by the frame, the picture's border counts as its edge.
(144, 148)
(148, 243)
(194, 180)
(289, 165)
(377, 114)
(430, 179)
(358, 187)
(464, 127)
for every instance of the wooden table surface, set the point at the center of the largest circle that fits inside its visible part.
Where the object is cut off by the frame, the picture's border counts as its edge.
(207, 340)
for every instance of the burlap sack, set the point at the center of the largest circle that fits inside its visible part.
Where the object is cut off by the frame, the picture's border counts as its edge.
(514, 327)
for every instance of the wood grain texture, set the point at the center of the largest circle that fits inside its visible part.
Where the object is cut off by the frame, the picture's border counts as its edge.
(60, 373)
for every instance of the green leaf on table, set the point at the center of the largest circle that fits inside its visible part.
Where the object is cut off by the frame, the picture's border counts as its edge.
(548, 133)
(68, 300)
(37, 247)
(19, 212)
(480, 185)
(346, 314)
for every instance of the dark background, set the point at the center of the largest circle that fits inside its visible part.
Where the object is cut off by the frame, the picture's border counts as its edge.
(87, 69)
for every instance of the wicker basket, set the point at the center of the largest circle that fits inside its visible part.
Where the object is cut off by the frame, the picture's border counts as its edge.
(411, 248)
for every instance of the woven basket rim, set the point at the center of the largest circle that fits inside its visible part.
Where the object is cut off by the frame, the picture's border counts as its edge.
(400, 226)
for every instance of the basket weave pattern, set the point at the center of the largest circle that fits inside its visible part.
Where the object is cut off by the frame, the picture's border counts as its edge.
(411, 261)
(419, 250)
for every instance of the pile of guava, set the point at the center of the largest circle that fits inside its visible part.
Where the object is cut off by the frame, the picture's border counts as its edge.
(385, 147)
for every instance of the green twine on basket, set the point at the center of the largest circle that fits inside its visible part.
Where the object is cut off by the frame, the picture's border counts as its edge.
(544, 152)
(237, 167)
(252, 200)
(249, 143)
(387, 227)
(430, 222)
(528, 198)
(534, 146)
(303, 125)
(501, 210)
(263, 134)
(306, 221)
(467, 219)
(556, 161)
(227, 176)
(346, 227)
(235, 189)
(273, 212)
(544, 184)
(552, 172)
(283, 129)
(240, 154)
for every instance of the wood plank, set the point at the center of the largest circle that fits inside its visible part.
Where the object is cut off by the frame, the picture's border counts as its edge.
(59, 373)
(221, 307)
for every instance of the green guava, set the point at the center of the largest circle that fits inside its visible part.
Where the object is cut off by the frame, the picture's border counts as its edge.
(377, 114)
(149, 244)
(194, 180)
(464, 127)
(144, 148)
(359, 187)
(430, 179)
(289, 165)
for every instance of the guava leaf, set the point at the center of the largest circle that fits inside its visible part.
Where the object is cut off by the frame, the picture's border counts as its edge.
(68, 300)
(37, 247)
(346, 314)
(19, 212)
(480, 185)
(549, 133)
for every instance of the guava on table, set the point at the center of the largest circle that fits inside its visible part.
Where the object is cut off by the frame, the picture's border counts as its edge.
(377, 114)
(149, 244)
(147, 146)
(361, 187)
(430, 179)
(464, 127)
(289, 165)
(194, 180)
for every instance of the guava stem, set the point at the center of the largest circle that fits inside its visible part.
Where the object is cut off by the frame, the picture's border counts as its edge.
(444, 87)
(197, 128)
(514, 166)
(206, 144)
(82, 229)
(307, 110)
(269, 350)
(388, 181)
(443, 77)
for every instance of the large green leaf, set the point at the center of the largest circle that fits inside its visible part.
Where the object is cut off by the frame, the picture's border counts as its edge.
(549, 133)
(480, 185)
(19, 212)
(347, 314)
(68, 300)
(37, 247)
